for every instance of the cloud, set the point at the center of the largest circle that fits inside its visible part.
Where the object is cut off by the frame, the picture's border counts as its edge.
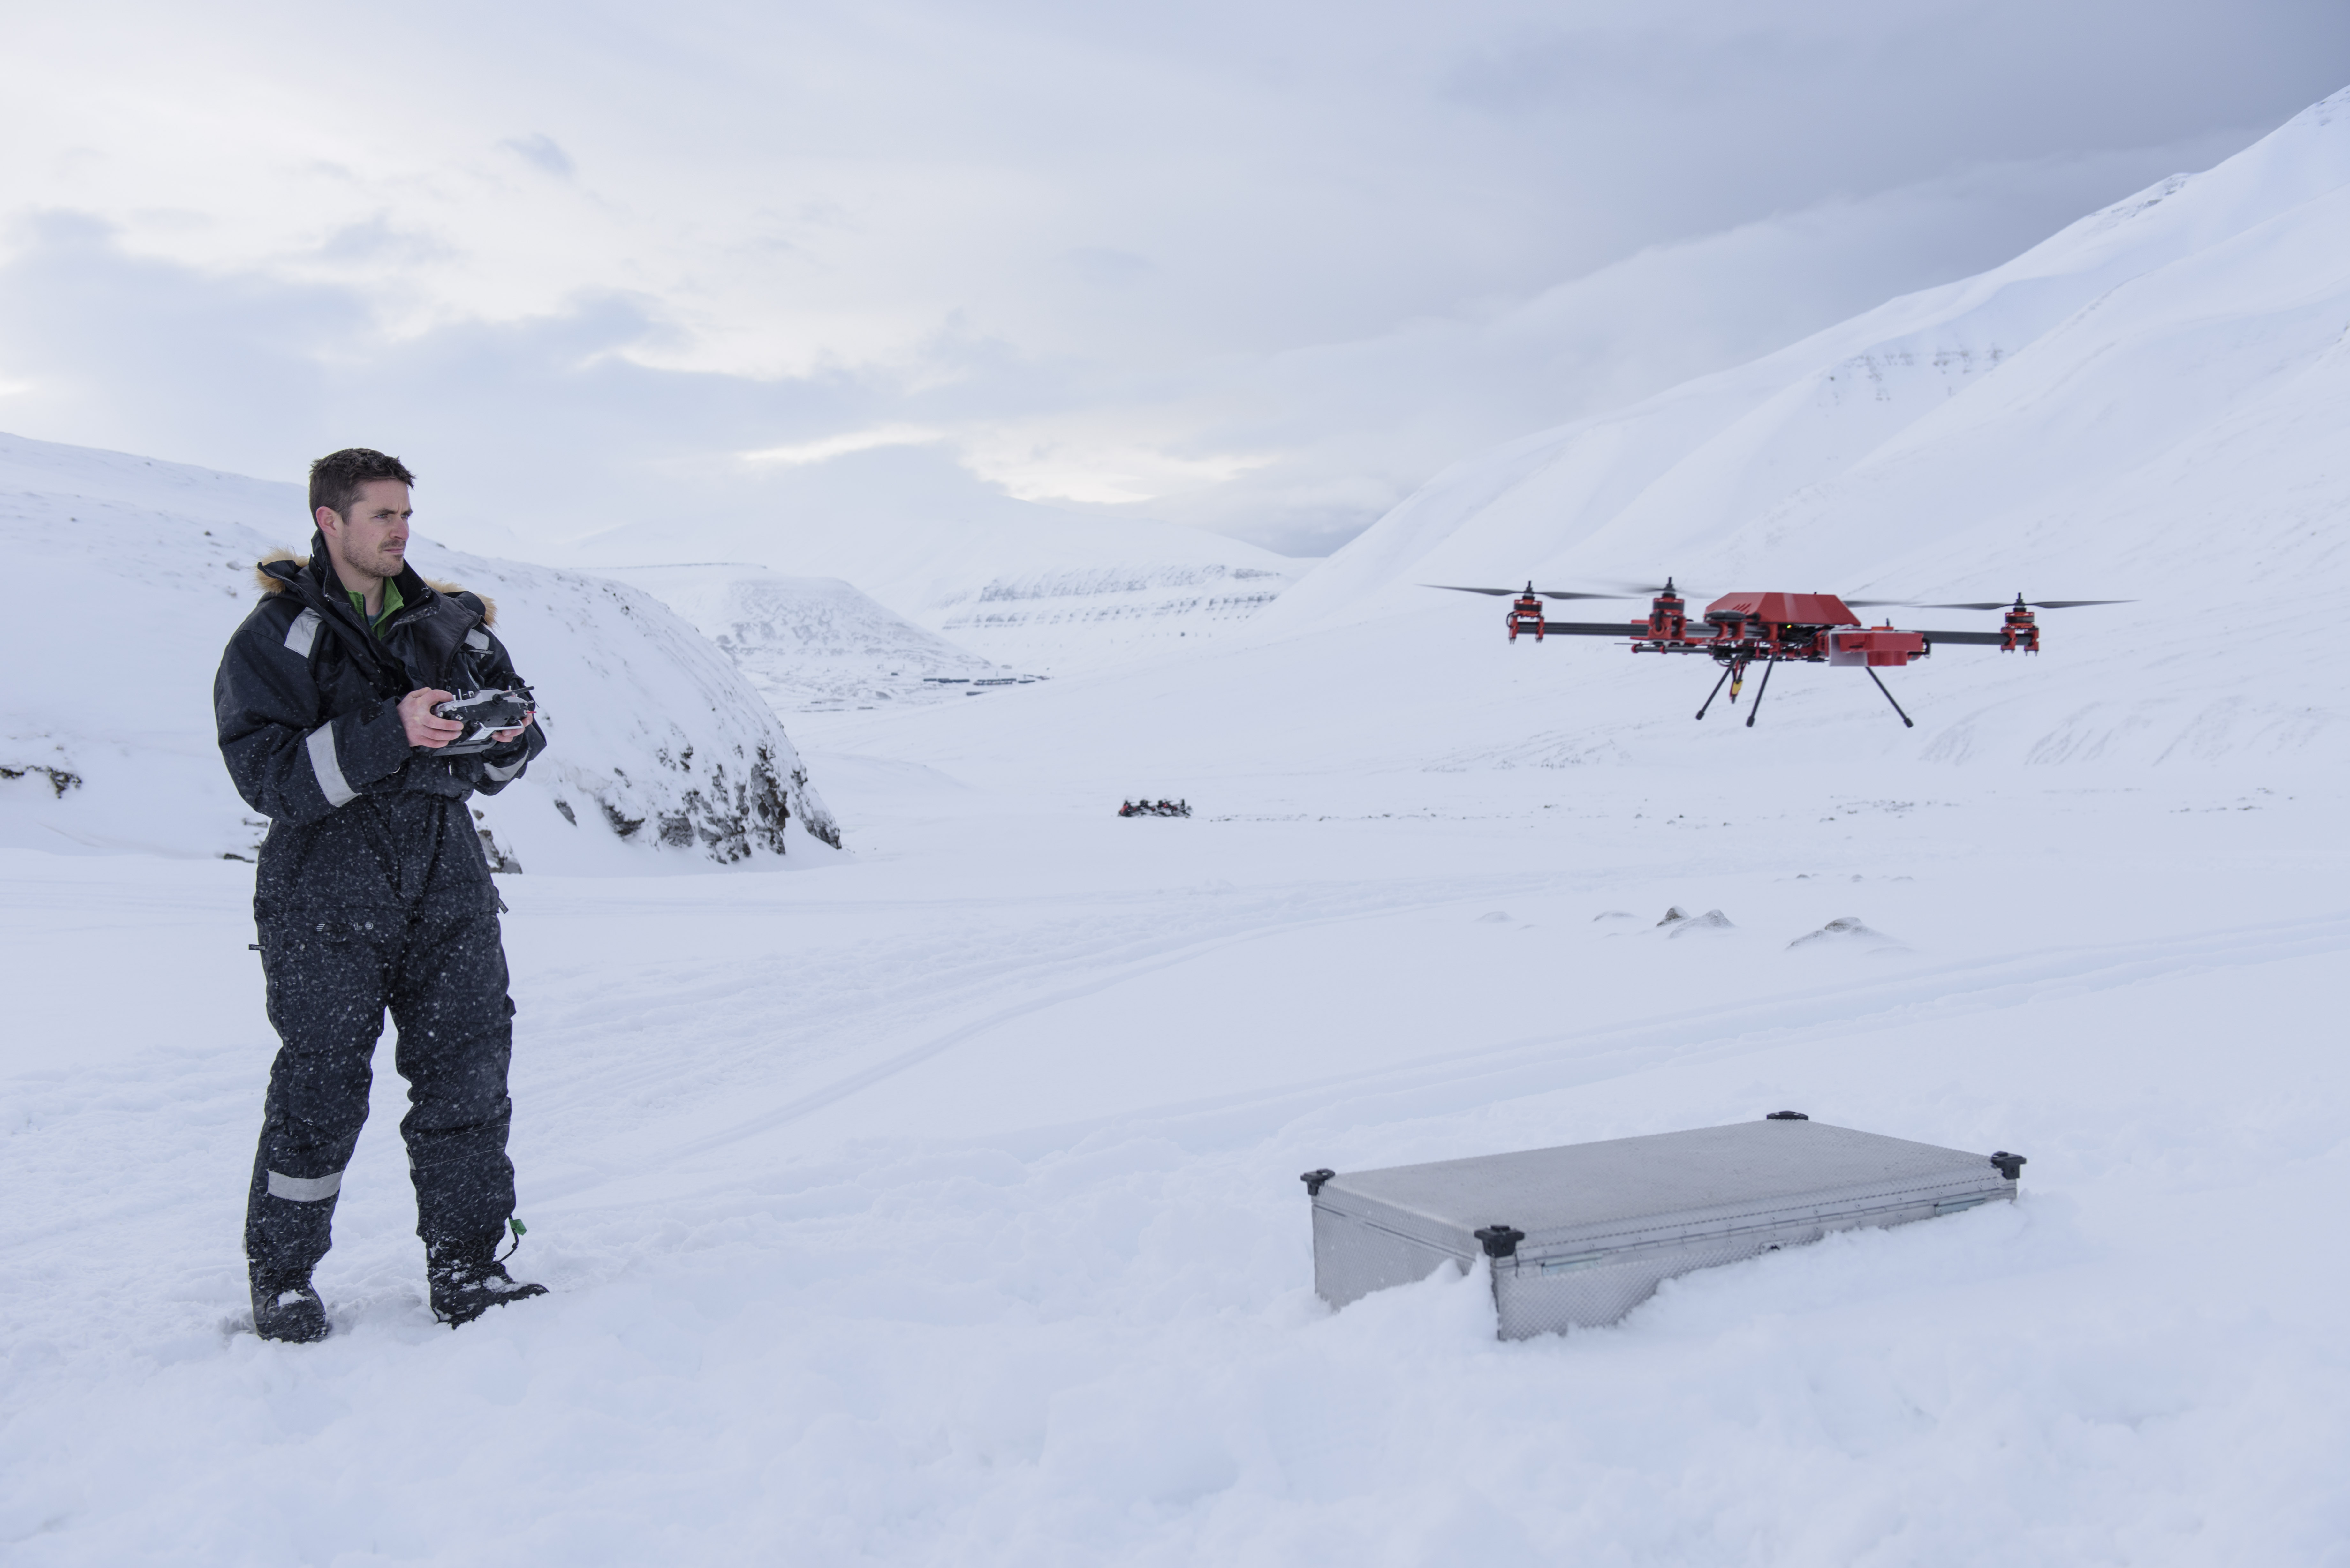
(1259, 269)
(1104, 462)
(543, 152)
(542, 431)
(825, 450)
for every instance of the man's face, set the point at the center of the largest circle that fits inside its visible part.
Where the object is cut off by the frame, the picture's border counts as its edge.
(375, 539)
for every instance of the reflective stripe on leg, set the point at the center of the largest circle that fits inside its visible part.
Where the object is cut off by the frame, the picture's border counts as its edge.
(304, 1189)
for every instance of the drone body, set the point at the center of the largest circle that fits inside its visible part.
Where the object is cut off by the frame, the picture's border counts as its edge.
(1742, 628)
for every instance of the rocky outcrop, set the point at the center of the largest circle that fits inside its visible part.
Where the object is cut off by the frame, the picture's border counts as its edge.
(661, 752)
(655, 737)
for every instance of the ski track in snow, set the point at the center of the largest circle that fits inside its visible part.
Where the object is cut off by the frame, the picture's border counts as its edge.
(1460, 1080)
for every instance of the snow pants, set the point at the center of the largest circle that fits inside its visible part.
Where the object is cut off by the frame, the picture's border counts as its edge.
(330, 979)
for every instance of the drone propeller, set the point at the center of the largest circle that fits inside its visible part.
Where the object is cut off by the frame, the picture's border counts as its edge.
(1667, 587)
(1514, 593)
(1649, 590)
(2019, 603)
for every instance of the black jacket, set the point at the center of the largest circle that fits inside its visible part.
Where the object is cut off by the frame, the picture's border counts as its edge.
(307, 704)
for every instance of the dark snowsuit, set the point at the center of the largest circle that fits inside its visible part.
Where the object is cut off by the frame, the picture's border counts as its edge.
(373, 891)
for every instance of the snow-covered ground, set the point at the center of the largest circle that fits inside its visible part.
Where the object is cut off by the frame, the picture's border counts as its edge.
(940, 1207)
(938, 1203)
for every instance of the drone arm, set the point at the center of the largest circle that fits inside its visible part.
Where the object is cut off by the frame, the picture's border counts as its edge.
(1624, 628)
(1964, 639)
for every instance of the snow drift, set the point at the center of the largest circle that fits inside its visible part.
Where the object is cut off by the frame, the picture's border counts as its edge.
(661, 753)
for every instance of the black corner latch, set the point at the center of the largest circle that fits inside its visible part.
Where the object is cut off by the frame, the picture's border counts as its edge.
(1786, 1117)
(1314, 1180)
(2010, 1165)
(1501, 1240)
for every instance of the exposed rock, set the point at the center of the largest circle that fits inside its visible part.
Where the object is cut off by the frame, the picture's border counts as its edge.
(1845, 931)
(59, 779)
(1711, 921)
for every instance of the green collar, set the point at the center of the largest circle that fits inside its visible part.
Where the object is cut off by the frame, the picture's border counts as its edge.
(392, 603)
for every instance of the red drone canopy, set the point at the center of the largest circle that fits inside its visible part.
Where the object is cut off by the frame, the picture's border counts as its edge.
(1786, 609)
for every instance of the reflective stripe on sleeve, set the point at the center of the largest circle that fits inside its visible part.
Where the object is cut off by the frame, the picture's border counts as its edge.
(303, 633)
(324, 764)
(304, 1189)
(503, 773)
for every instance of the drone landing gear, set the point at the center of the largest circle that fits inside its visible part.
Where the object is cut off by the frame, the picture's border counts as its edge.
(1906, 722)
(1756, 711)
(1734, 675)
(1727, 670)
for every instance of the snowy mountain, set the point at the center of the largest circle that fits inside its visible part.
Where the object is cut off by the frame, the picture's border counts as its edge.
(815, 644)
(1098, 616)
(1041, 590)
(2148, 405)
(661, 753)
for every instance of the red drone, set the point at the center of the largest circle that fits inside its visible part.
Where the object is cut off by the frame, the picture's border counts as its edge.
(1738, 629)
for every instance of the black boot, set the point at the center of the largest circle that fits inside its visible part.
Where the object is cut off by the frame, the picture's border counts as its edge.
(289, 1312)
(465, 1285)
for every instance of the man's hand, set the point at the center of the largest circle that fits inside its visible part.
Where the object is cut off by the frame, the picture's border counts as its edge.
(503, 736)
(425, 728)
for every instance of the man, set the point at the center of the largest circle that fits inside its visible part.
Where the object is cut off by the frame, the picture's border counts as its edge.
(372, 892)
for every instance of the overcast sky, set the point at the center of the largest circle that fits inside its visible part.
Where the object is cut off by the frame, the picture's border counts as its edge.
(1261, 267)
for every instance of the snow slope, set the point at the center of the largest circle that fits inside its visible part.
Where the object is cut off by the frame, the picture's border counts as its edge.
(2148, 405)
(1026, 586)
(659, 750)
(813, 644)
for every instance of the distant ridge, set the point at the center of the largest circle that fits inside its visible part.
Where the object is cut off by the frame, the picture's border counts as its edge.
(809, 644)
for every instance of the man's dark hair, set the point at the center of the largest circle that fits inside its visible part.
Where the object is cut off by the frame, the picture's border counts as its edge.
(336, 478)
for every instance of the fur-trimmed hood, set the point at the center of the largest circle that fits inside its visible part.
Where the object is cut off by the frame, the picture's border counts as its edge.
(272, 584)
